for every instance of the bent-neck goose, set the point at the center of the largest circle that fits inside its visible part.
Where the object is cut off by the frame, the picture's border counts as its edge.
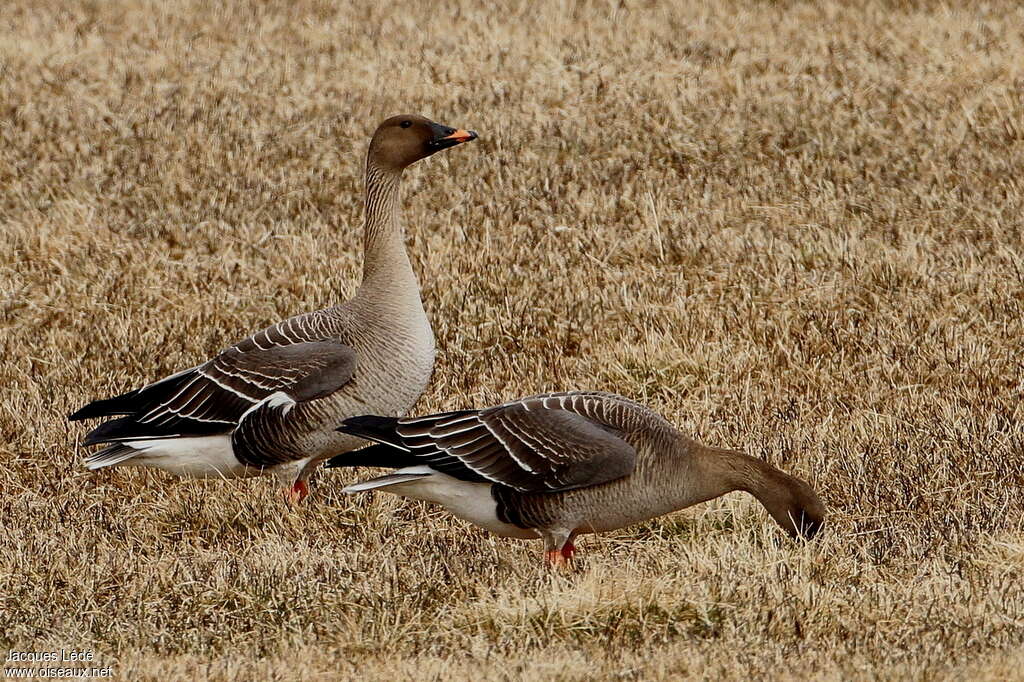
(270, 403)
(557, 465)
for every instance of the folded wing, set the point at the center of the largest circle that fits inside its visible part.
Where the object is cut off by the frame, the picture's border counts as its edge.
(534, 445)
(213, 397)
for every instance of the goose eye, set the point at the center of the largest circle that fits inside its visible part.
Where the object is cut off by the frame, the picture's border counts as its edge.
(405, 124)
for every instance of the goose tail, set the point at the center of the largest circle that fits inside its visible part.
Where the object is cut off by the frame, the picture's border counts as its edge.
(111, 456)
(403, 476)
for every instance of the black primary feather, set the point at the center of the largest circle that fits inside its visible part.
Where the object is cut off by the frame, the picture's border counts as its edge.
(392, 453)
(372, 427)
(135, 401)
(380, 455)
(129, 428)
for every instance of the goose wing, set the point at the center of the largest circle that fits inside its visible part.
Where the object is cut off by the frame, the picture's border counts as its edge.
(533, 445)
(213, 397)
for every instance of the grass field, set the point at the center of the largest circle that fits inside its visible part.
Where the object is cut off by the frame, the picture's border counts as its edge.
(794, 229)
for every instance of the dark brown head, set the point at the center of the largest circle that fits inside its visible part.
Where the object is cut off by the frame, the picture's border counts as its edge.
(798, 509)
(403, 140)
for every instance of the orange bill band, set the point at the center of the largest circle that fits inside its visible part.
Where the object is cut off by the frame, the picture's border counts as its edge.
(461, 135)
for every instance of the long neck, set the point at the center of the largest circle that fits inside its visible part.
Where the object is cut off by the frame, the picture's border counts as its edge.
(386, 267)
(727, 470)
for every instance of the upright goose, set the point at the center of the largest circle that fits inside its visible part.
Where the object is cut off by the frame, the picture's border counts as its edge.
(270, 403)
(557, 465)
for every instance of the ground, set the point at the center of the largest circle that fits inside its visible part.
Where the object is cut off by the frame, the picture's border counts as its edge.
(792, 228)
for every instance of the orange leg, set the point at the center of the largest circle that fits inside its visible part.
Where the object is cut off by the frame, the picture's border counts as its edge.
(555, 559)
(560, 558)
(297, 493)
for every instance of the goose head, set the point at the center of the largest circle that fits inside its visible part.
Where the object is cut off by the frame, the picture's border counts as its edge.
(797, 508)
(402, 140)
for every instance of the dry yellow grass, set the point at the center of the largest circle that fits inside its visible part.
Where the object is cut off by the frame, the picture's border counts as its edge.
(793, 228)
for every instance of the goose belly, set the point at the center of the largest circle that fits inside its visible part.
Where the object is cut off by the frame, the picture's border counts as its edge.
(624, 503)
(389, 388)
(388, 381)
